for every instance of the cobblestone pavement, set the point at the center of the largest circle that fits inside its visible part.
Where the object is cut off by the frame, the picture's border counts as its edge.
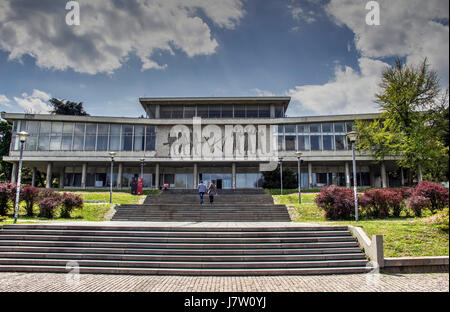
(57, 282)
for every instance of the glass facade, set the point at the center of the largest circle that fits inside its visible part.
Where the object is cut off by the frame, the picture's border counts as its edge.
(69, 136)
(313, 137)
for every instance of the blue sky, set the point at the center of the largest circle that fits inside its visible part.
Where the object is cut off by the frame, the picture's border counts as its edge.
(321, 53)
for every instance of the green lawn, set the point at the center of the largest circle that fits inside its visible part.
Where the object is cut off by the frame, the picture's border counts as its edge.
(95, 206)
(405, 236)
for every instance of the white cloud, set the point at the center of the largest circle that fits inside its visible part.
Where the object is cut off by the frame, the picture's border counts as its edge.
(348, 92)
(110, 30)
(4, 101)
(260, 92)
(34, 103)
(300, 14)
(408, 28)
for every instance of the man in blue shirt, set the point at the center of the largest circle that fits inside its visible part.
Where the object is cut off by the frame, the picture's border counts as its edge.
(201, 190)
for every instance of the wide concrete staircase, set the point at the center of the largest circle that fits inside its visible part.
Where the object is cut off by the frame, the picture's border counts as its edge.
(183, 205)
(143, 249)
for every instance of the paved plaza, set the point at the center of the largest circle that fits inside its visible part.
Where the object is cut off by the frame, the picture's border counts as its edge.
(56, 282)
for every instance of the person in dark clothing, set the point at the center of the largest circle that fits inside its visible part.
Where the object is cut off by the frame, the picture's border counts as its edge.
(201, 191)
(211, 192)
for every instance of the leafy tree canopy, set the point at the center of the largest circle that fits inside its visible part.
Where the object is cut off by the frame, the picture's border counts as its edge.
(63, 107)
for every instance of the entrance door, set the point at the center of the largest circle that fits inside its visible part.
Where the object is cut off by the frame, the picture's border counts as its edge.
(219, 184)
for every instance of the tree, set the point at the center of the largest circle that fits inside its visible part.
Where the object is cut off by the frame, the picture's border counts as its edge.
(5, 140)
(63, 107)
(413, 122)
(272, 179)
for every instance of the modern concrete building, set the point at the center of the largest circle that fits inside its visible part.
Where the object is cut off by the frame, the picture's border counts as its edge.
(183, 140)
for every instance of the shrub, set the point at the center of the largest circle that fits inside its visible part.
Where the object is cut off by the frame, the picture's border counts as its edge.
(379, 202)
(405, 192)
(70, 202)
(337, 202)
(442, 220)
(48, 201)
(436, 193)
(29, 195)
(7, 193)
(417, 204)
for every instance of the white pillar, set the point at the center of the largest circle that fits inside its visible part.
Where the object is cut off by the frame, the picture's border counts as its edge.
(383, 175)
(48, 183)
(310, 174)
(347, 174)
(402, 176)
(119, 176)
(157, 111)
(419, 173)
(372, 177)
(83, 175)
(33, 176)
(195, 173)
(14, 173)
(157, 175)
(233, 175)
(61, 177)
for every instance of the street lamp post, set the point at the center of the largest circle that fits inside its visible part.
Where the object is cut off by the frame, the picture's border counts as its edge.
(142, 168)
(352, 136)
(22, 138)
(299, 156)
(112, 155)
(281, 175)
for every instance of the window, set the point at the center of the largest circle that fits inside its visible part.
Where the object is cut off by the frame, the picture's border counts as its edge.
(102, 137)
(127, 138)
(150, 141)
(66, 143)
(264, 111)
(177, 111)
(290, 142)
(114, 138)
(33, 131)
(91, 135)
(44, 136)
(139, 138)
(227, 111)
(55, 136)
(315, 128)
(189, 111)
(350, 126)
(316, 143)
(165, 111)
(280, 143)
(339, 127)
(239, 111)
(78, 138)
(303, 143)
(215, 111)
(279, 111)
(289, 129)
(327, 142)
(303, 128)
(202, 111)
(327, 127)
(252, 111)
(339, 141)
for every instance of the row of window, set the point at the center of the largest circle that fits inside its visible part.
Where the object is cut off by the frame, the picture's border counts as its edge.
(69, 136)
(219, 111)
(312, 143)
(327, 127)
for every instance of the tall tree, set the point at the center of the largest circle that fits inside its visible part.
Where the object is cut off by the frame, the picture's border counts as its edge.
(5, 140)
(413, 123)
(63, 107)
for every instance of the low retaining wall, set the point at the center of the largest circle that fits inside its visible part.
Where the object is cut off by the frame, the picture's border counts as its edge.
(373, 248)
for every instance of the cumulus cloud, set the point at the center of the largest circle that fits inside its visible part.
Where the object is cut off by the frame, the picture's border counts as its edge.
(110, 30)
(4, 101)
(348, 92)
(34, 103)
(413, 29)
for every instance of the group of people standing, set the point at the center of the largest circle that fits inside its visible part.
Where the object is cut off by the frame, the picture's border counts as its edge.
(211, 191)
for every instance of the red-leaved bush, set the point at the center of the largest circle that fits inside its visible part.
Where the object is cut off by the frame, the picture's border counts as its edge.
(337, 202)
(436, 193)
(29, 195)
(379, 202)
(417, 204)
(7, 193)
(70, 202)
(48, 200)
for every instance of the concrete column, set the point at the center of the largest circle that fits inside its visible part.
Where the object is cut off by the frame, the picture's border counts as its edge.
(119, 176)
(157, 111)
(195, 173)
(402, 176)
(310, 174)
(272, 111)
(157, 175)
(14, 173)
(372, 177)
(419, 174)
(48, 183)
(33, 176)
(233, 175)
(347, 174)
(61, 178)
(383, 175)
(83, 175)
